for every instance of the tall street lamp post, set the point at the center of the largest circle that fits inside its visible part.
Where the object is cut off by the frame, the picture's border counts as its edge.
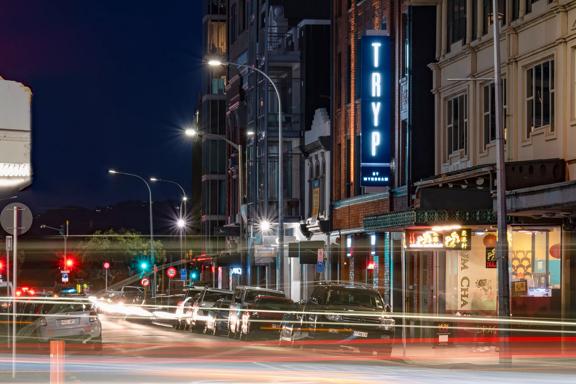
(191, 132)
(181, 222)
(279, 256)
(502, 242)
(114, 172)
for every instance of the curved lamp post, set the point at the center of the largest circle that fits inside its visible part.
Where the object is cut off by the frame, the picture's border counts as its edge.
(279, 256)
(115, 172)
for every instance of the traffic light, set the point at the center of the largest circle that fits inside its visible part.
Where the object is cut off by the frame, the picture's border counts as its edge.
(143, 266)
(1, 266)
(69, 263)
(194, 274)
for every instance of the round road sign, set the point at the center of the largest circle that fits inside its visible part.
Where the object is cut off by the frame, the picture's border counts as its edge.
(171, 272)
(106, 265)
(24, 217)
(145, 282)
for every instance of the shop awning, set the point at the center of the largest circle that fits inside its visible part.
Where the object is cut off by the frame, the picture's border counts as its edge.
(428, 217)
(228, 258)
(548, 201)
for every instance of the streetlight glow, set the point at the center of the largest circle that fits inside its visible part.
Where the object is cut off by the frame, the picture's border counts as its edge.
(153, 179)
(215, 62)
(265, 226)
(112, 171)
(250, 133)
(181, 223)
(190, 132)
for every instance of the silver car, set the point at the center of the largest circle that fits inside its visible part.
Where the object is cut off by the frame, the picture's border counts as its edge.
(74, 321)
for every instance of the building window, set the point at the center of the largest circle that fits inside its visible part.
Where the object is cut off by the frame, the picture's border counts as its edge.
(489, 111)
(456, 20)
(515, 9)
(457, 124)
(338, 79)
(242, 17)
(487, 11)
(233, 23)
(529, 5)
(474, 19)
(540, 96)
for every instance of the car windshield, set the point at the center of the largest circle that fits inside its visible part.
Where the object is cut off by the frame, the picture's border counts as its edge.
(252, 295)
(65, 307)
(355, 298)
(215, 296)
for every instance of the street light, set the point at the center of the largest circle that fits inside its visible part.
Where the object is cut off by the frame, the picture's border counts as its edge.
(183, 216)
(62, 231)
(213, 62)
(192, 132)
(115, 172)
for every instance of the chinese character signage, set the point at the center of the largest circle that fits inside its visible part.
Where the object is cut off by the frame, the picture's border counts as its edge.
(490, 257)
(376, 108)
(459, 239)
(424, 239)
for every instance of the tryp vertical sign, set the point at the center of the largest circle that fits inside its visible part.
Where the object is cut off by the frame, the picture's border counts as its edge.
(376, 110)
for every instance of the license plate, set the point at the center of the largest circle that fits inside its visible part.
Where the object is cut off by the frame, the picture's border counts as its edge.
(68, 322)
(360, 334)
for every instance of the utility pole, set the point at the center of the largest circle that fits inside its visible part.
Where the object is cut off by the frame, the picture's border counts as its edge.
(502, 243)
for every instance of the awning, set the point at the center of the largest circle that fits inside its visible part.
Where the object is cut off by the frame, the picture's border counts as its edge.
(228, 258)
(548, 201)
(428, 217)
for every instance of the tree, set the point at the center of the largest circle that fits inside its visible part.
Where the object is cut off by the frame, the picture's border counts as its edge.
(122, 246)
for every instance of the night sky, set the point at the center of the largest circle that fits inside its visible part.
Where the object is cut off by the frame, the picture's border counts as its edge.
(113, 81)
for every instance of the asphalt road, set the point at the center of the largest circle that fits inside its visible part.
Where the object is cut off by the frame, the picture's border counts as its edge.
(143, 353)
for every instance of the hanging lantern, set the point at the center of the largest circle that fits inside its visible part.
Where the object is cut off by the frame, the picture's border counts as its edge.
(556, 251)
(489, 241)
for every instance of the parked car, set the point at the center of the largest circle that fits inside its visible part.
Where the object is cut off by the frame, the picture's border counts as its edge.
(203, 305)
(184, 307)
(164, 309)
(243, 296)
(217, 318)
(351, 312)
(264, 316)
(72, 321)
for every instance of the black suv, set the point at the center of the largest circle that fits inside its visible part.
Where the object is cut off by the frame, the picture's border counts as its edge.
(243, 296)
(355, 314)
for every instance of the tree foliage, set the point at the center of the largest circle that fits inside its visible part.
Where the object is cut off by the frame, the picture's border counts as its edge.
(123, 245)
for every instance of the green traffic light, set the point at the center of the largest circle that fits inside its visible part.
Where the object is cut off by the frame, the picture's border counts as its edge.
(144, 265)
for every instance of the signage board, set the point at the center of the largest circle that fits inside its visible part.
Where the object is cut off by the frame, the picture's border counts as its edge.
(458, 239)
(64, 277)
(376, 109)
(183, 273)
(171, 272)
(145, 282)
(24, 218)
(424, 239)
(491, 257)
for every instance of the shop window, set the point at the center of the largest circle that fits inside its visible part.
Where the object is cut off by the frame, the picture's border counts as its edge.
(540, 96)
(535, 267)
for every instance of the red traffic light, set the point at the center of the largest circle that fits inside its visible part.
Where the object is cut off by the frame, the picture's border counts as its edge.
(1, 266)
(69, 263)
(106, 265)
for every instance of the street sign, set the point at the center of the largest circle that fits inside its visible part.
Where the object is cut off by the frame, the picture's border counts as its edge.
(145, 282)
(183, 273)
(171, 272)
(64, 277)
(8, 244)
(24, 218)
(106, 265)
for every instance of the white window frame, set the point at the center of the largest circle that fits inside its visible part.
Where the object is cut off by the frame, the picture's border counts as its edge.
(463, 128)
(531, 126)
(487, 114)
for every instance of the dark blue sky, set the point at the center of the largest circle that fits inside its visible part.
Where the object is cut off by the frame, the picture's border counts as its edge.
(113, 80)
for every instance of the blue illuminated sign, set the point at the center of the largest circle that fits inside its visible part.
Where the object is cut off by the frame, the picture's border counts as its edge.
(376, 110)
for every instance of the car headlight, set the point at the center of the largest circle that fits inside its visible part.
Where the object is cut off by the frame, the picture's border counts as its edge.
(387, 323)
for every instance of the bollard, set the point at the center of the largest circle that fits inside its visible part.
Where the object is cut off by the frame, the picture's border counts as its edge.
(57, 361)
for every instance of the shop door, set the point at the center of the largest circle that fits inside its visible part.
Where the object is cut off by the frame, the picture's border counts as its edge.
(420, 290)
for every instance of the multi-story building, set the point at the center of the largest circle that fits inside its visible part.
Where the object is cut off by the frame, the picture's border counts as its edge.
(267, 35)
(15, 137)
(538, 45)
(211, 120)
(382, 131)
